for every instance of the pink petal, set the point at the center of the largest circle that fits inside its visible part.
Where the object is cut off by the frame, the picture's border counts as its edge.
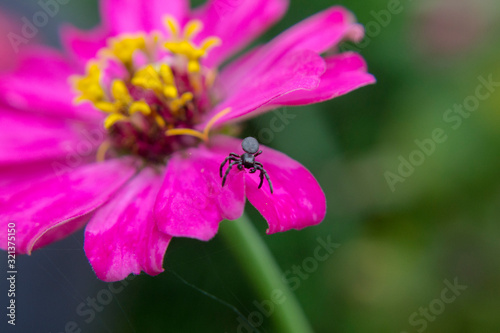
(20, 176)
(298, 200)
(296, 71)
(53, 202)
(344, 73)
(237, 23)
(84, 45)
(40, 84)
(317, 33)
(122, 236)
(192, 202)
(26, 137)
(61, 231)
(234, 72)
(135, 16)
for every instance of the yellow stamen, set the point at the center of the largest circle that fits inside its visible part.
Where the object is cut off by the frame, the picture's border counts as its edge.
(102, 150)
(201, 135)
(187, 97)
(185, 47)
(166, 74)
(214, 120)
(89, 85)
(178, 103)
(194, 66)
(141, 107)
(170, 92)
(113, 119)
(192, 29)
(186, 131)
(147, 78)
(210, 42)
(160, 121)
(120, 92)
(105, 107)
(162, 82)
(172, 25)
(175, 105)
(124, 48)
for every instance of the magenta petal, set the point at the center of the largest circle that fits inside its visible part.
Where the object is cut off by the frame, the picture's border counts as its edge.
(40, 84)
(26, 137)
(62, 230)
(130, 16)
(122, 237)
(84, 45)
(344, 73)
(317, 33)
(53, 202)
(192, 202)
(297, 202)
(300, 70)
(17, 177)
(237, 23)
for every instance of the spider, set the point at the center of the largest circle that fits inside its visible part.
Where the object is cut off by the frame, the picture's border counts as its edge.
(247, 160)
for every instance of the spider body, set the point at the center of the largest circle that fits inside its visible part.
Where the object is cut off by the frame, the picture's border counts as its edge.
(247, 160)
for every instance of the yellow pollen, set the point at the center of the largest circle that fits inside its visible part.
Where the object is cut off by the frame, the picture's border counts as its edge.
(89, 85)
(147, 78)
(105, 107)
(186, 131)
(178, 103)
(160, 121)
(170, 92)
(141, 107)
(162, 82)
(192, 29)
(185, 47)
(113, 119)
(210, 42)
(166, 74)
(194, 66)
(124, 48)
(201, 135)
(120, 92)
(172, 25)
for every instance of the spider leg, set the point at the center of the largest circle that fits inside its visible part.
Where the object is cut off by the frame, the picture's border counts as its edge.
(234, 155)
(258, 153)
(253, 170)
(262, 174)
(260, 167)
(229, 158)
(261, 179)
(227, 171)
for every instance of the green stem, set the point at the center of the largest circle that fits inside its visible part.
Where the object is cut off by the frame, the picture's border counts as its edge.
(260, 266)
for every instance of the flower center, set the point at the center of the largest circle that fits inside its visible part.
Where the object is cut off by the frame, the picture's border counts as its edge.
(154, 91)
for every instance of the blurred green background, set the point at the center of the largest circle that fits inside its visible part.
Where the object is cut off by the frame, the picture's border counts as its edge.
(399, 243)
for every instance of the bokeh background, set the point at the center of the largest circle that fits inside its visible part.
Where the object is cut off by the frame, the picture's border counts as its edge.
(398, 243)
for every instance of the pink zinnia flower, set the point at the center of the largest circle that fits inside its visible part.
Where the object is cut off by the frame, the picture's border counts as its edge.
(142, 92)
